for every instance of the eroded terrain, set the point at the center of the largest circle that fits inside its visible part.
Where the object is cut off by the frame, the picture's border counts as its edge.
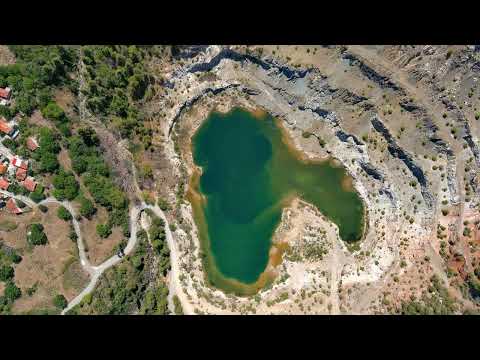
(401, 119)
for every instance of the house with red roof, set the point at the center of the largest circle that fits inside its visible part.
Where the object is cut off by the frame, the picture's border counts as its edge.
(3, 168)
(29, 184)
(5, 127)
(32, 144)
(4, 184)
(12, 206)
(5, 93)
(21, 174)
(19, 163)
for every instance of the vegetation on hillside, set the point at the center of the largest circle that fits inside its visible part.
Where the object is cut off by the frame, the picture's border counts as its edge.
(38, 69)
(435, 301)
(8, 258)
(116, 83)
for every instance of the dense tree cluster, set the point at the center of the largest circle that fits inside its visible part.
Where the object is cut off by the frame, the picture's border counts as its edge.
(116, 81)
(159, 243)
(436, 301)
(122, 288)
(46, 155)
(66, 187)
(37, 70)
(8, 257)
(56, 114)
(87, 162)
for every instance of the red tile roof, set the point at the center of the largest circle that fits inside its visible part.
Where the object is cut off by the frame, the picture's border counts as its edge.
(32, 144)
(29, 184)
(4, 127)
(12, 206)
(20, 163)
(21, 174)
(3, 169)
(4, 184)
(5, 93)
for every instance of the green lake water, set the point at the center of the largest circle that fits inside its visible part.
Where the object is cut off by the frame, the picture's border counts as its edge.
(248, 173)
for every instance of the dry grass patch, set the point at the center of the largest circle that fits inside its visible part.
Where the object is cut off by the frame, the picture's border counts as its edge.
(43, 273)
(99, 249)
(6, 56)
(65, 99)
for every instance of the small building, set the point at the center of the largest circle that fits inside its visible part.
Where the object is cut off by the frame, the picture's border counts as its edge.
(32, 144)
(5, 127)
(5, 93)
(29, 184)
(19, 163)
(4, 184)
(21, 174)
(12, 207)
(3, 168)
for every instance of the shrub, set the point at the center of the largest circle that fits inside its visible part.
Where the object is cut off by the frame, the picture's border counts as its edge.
(103, 230)
(37, 195)
(60, 302)
(12, 292)
(64, 214)
(66, 187)
(36, 236)
(86, 207)
(6, 273)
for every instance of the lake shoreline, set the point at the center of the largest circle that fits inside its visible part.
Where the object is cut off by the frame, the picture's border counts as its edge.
(277, 248)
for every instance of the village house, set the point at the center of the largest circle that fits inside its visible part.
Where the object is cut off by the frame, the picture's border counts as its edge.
(3, 168)
(12, 207)
(32, 144)
(9, 129)
(5, 93)
(5, 96)
(29, 184)
(4, 184)
(21, 174)
(19, 163)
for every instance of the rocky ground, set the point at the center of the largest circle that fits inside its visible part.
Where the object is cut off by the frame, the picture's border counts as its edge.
(401, 119)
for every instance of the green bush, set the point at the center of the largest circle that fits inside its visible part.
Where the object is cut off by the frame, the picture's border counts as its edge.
(60, 302)
(12, 292)
(6, 273)
(36, 236)
(86, 207)
(66, 187)
(64, 214)
(38, 195)
(103, 230)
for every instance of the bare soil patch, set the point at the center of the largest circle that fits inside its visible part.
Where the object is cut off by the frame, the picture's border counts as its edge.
(99, 249)
(6, 56)
(39, 120)
(44, 269)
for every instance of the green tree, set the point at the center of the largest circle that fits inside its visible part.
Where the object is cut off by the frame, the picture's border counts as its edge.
(54, 112)
(6, 273)
(103, 230)
(12, 292)
(64, 214)
(60, 302)
(66, 187)
(37, 195)
(36, 236)
(86, 207)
